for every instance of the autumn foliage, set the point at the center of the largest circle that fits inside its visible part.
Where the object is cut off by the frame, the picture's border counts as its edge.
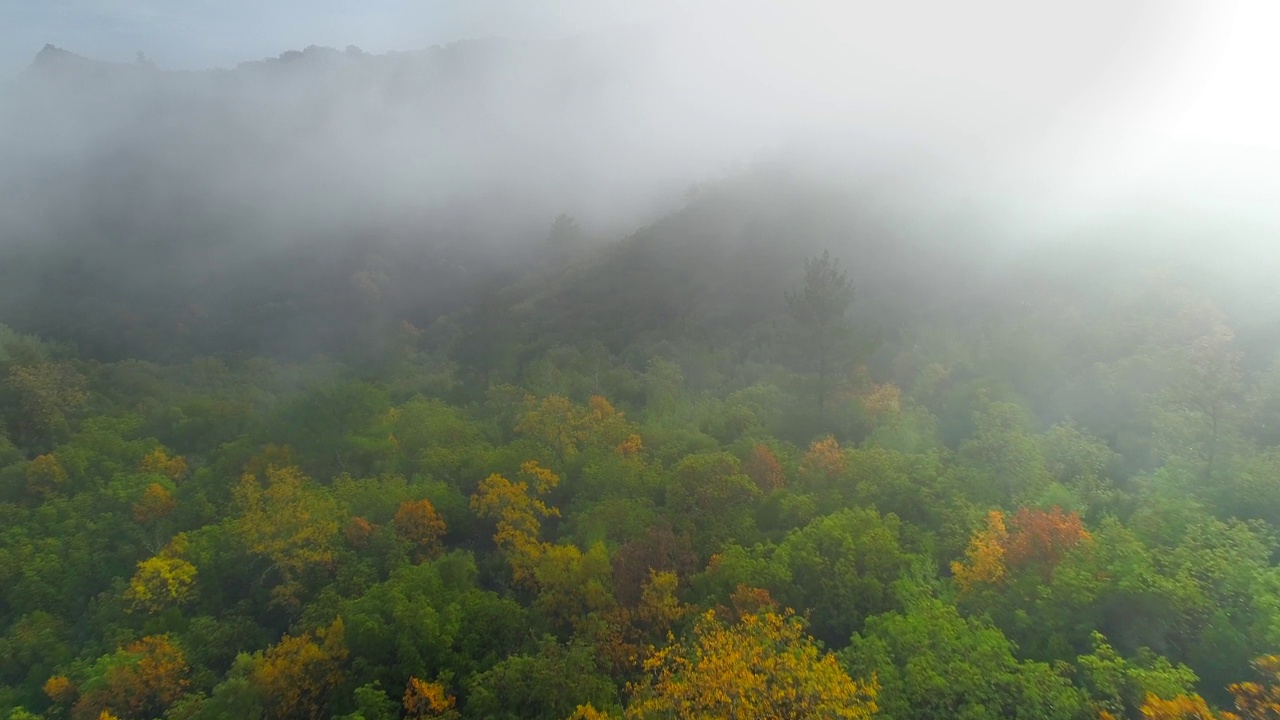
(418, 523)
(45, 476)
(748, 600)
(1039, 538)
(297, 674)
(1179, 707)
(60, 689)
(163, 581)
(139, 681)
(156, 503)
(825, 459)
(161, 463)
(288, 523)
(424, 699)
(358, 532)
(557, 423)
(630, 447)
(985, 557)
(1258, 701)
(763, 666)
(631, 633)
(518, 514)
(1033, 539)
(882, 402)
(522, 513)
(659, 549)
(1252, 700)
(763, 467)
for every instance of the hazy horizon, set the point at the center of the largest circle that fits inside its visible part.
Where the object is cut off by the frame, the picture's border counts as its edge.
(1079, 105)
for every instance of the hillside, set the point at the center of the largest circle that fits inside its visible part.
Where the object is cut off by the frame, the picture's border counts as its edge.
(241, 192)
(289, 431)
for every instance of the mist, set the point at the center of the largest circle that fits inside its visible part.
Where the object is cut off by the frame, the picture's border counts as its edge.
(602, 359)
(1025, 125)
(993, 96)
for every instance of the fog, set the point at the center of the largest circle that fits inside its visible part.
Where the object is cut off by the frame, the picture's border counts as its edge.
(613, 359)
(471, 126)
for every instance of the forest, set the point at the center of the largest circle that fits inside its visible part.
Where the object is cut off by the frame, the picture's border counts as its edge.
(779, 452)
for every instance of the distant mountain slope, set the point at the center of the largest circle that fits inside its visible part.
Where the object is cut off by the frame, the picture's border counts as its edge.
(238, 204)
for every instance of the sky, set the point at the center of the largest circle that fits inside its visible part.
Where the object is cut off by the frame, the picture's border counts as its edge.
(199, 34)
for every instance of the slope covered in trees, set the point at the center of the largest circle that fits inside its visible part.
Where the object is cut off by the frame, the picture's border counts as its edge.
(779, 454)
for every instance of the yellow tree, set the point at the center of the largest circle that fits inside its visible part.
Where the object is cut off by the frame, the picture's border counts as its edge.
(1035, 539)
(631, 446)
(60, 690)
(1180, 707)
(660, 608)
(45, 476)
(517, 513)
(626, 635)
(882, 402)
(604, 426)
(763, 666)
(297, 674)
(1256, 701)
(566, 428)
(161, 463)
(571, 583)
(588, 712)
(984, 558)
(163, 581)
(1253, 701)
(424, 699)
(287, 522)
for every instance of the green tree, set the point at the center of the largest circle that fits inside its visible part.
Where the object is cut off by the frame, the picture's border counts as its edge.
(819, 308)
(933, 663)
(564, 241)
(1121, 686)
(841, 568)
(713, 497)
(547, 685)
(1003, 463)
(46, 395)
(1076, 460)
(408, 624)
(373, 703)
(1199, 415)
